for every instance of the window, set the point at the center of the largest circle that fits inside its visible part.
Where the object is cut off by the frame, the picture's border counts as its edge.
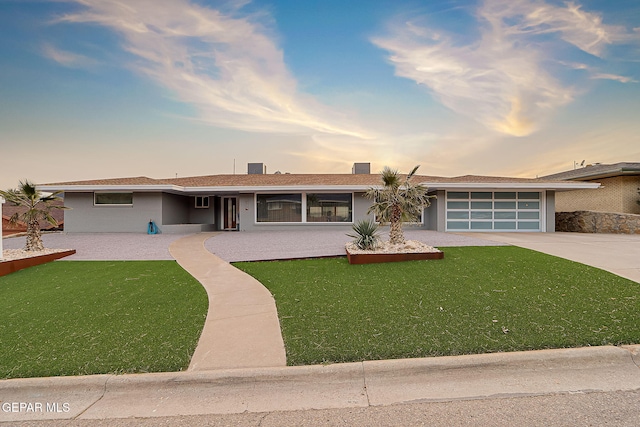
(202, 202)
(329, 207)
(279, 207)
(111, 199)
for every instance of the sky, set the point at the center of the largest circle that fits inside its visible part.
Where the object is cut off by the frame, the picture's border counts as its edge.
(93, 89)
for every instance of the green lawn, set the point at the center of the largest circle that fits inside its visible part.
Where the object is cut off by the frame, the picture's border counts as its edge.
(92, 317)
(476, 300)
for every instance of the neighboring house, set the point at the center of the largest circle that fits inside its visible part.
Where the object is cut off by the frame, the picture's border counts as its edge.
(8, 210)
(258, 201)
(618, 192)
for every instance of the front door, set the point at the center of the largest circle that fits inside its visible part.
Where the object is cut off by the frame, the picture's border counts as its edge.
(229, 213)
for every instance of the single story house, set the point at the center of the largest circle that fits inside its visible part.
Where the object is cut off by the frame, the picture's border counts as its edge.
(618, 191)
(261, 201)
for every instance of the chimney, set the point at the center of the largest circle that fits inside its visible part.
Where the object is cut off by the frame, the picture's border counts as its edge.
(256, 169)
(361, 169)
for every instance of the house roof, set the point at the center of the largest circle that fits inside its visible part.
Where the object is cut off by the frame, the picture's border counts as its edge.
(284, 182)
(8, 210)
(597, 171)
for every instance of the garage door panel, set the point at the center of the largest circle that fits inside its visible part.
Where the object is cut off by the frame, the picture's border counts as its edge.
(500, 210)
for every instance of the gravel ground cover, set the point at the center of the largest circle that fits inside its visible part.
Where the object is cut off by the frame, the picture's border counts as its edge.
(106, 246)
(271, 245)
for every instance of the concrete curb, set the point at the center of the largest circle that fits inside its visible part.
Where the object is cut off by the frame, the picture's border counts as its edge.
(360, 384)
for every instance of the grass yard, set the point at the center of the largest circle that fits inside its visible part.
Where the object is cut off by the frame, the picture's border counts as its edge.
(96, 317)
(476, 300)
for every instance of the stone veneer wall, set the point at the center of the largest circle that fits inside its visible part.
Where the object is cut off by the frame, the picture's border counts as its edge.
(598, 222)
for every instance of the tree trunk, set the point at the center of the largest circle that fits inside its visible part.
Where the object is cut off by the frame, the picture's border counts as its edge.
(34, 240)
(396, 236)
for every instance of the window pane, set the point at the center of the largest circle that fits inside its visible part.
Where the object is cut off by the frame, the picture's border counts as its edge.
(480, 225)
(329, 207)
(481, 195)
(457, 205)
(458, 215)
(113, 198)
(529, 215)
(481, 205)
(457, 225)
(202, 201)
(526, 195)
(457, 195)
(480, 215)
(507, 225)
(508, 195)
(528, 225)
(504, 215)
(505, 205)
(279, 207)
(528, 205)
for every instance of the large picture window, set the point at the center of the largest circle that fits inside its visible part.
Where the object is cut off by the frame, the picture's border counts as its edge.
(113, 199)
(279, 207)
(329, 207)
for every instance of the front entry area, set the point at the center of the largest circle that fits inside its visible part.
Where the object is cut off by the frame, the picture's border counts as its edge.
(229, 213)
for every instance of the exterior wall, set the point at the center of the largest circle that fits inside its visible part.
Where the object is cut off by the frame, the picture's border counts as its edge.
(431, 214)
(617, 194)
(201, 215)
(598, 222)
(84, 217)
(550, 212)
(175, 209)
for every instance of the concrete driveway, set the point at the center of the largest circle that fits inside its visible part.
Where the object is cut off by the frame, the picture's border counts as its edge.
(616, 253)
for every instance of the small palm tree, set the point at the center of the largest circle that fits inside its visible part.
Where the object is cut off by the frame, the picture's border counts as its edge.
(398, 200)
(38, 207)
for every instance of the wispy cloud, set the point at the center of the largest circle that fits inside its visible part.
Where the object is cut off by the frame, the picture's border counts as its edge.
(67, 59)
(615, 77)
(503, 79)
(225, 64)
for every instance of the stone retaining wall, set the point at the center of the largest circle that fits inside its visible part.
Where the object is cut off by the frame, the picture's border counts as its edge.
(598, 222)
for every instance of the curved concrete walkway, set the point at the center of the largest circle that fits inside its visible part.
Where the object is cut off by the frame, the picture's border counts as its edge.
(242, 329)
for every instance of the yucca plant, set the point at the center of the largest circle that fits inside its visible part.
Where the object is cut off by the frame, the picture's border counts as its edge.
(366, 235)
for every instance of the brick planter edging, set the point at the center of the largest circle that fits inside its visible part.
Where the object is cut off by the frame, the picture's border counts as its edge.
(7, 267)
(377, 258)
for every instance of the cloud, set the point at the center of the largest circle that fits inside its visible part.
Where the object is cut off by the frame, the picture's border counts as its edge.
(67, 59)
(226, 65)
(615, 77)
(504, 78)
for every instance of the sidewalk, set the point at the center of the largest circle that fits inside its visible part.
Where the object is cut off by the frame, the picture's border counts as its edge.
(242, 329)
(349, 385)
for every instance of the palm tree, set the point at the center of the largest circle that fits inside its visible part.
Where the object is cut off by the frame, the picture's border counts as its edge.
(38, 207)
(398, 200)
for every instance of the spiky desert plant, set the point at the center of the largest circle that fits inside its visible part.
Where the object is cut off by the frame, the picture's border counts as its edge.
(398, 200)
(366, 235)
(38, 207)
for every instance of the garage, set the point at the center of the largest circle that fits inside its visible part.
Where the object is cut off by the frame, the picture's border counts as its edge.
(495, 210)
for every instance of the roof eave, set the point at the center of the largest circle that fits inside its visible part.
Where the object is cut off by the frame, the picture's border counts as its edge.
(110, 187)
(566, 185)
(558, 186)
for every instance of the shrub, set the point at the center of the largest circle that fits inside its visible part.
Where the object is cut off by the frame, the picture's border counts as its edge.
(366, 235)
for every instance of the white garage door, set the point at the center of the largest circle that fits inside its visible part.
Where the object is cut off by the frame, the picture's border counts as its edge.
(494, 210)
